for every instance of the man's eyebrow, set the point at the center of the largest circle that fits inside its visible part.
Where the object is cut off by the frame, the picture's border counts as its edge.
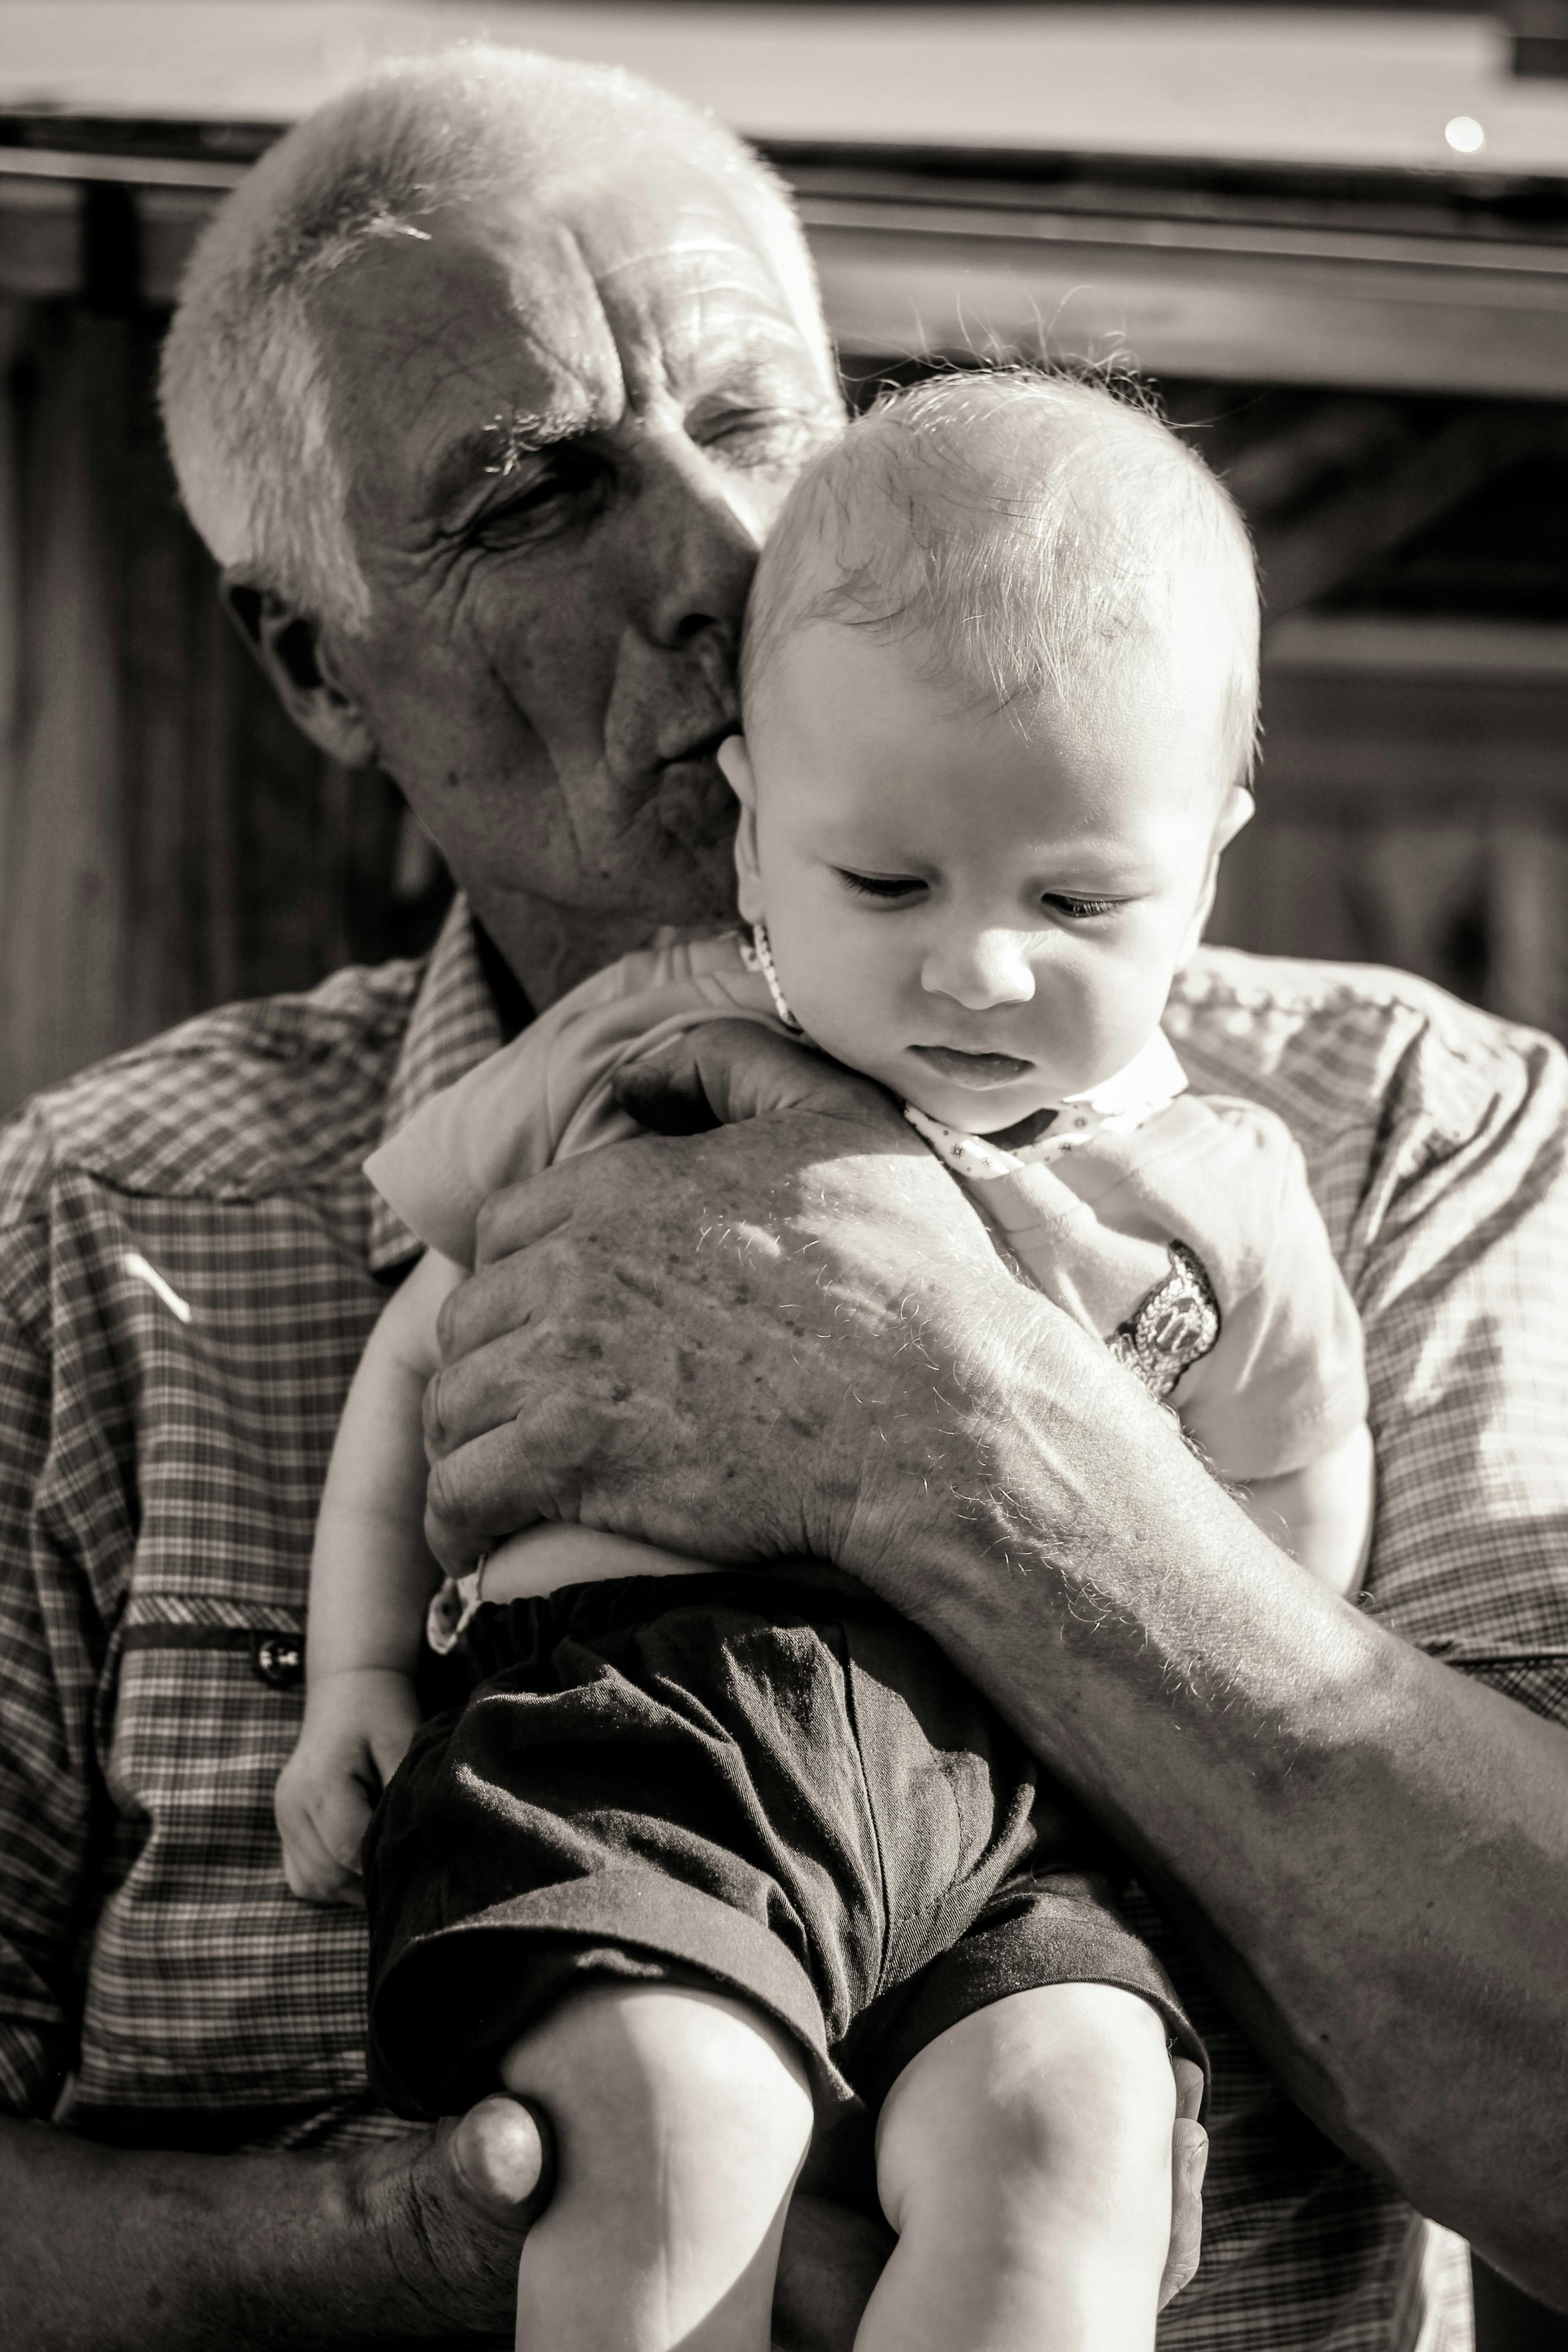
(483, 452)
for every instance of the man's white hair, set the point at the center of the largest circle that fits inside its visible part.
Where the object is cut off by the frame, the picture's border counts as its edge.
(245, 396)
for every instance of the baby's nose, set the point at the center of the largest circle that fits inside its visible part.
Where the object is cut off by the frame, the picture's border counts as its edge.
(980, 969)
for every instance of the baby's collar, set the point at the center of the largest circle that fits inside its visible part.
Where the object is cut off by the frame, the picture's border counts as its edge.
(1150, 1083)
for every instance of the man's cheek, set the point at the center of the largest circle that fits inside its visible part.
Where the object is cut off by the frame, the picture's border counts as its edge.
(552, 673)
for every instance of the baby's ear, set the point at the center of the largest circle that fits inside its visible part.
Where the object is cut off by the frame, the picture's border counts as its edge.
(1239, 809)
(1236, 813)
(734, 759)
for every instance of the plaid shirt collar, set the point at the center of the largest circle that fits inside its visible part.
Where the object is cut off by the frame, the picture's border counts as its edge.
(453, 1025)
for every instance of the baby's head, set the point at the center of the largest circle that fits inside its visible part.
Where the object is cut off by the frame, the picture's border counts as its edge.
(999, 684)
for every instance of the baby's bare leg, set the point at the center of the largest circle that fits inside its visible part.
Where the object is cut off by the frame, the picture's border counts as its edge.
(1024, 2157)
(681, 2119)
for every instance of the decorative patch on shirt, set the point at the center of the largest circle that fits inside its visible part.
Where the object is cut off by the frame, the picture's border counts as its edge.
(1177, 1325)
(447, 1618)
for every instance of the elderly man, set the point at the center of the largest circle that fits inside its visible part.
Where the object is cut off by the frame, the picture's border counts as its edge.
(484, 388)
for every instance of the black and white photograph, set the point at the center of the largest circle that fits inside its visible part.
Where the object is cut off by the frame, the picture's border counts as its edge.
(783, 1176)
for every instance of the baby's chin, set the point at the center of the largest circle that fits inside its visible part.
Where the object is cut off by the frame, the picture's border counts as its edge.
(968, 1107)
(995, 1118)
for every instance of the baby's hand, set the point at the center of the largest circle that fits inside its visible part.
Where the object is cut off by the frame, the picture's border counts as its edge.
(358, 1724)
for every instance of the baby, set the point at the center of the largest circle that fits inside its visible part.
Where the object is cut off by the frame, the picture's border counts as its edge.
(711, 1855)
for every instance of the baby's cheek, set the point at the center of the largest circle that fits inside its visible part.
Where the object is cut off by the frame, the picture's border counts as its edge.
(837, 987)
(1110, 1004)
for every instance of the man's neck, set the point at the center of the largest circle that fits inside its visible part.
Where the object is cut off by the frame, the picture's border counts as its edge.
(513, 1009)
(547, 948)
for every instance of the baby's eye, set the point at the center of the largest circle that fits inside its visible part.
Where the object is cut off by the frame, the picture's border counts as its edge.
(879, 886)
(1080, 910)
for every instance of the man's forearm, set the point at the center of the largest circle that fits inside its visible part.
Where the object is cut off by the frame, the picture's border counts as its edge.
(135, 2250)
(111, 2248)
(1370, 1850)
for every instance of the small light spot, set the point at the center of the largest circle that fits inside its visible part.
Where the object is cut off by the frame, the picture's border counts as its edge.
(1465, 135)
(136, 1266)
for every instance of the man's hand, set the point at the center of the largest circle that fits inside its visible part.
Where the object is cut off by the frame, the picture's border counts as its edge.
(1189, 2162)
(755, 1342)
(453, 2210)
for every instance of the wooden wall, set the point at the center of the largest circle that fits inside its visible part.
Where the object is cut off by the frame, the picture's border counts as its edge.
(167, 841)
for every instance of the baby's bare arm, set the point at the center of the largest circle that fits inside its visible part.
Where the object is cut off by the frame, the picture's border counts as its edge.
(370, 1574)
(371, 1579)
(1323, 1515)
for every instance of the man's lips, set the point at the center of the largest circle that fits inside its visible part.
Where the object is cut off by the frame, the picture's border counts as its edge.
(699, 749)
(972, 1069)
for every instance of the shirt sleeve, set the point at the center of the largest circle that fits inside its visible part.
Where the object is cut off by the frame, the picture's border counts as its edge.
(492, 1127)
(48, 1682)
(549, 1094)
(1458, 1256)
(1286, 1381)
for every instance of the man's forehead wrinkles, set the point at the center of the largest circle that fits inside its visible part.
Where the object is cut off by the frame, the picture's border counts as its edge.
(680, 249)
(711, 335)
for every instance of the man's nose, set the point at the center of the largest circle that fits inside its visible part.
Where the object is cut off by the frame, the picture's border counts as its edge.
(700, 550)
(981, 969)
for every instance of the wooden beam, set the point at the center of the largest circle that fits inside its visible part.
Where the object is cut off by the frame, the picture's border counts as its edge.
(1379, 510)
(1333, 437)
(1250, 300)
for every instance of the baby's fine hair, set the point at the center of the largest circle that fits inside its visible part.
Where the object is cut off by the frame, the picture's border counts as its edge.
(1022, 524)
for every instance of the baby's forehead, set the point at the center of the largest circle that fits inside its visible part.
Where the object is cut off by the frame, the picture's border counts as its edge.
(884, 732)
(909, 669)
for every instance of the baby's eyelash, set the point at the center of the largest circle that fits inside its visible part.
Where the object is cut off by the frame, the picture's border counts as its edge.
(879, 885)
(1079, 910)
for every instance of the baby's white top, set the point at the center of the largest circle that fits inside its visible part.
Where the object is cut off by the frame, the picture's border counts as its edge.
(1177, 1228)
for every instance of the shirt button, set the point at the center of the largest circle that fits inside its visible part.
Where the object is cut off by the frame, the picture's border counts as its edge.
(278, 1659)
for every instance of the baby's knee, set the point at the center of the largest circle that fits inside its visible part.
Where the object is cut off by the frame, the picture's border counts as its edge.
(680, 2122)
(638, 2078)
(1014, 2097)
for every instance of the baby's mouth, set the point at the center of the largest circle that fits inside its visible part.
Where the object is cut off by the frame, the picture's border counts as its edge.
(974, 1069)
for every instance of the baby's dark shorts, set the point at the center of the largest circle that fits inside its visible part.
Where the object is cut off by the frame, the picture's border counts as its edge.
(764, 1784)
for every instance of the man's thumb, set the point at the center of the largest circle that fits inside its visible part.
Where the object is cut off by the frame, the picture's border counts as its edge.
(727, 1071)
(501, 2152)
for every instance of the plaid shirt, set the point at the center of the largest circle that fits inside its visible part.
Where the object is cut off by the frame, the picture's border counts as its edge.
(191, 1263)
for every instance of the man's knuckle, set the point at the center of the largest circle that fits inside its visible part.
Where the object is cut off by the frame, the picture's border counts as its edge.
(434, 1415)
(449, 1322)
(487, 1229)
(443, 1494)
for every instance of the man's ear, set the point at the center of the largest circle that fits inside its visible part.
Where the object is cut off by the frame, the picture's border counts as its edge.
(1238, 811)
(295, 655)
(736, 761)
